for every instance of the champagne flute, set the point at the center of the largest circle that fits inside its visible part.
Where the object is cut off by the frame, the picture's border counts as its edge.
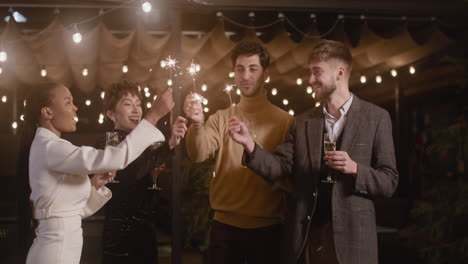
(328, 145)
(154, 176)
(112, 139)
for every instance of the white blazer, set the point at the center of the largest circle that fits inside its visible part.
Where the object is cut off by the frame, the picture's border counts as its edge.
(58, 171)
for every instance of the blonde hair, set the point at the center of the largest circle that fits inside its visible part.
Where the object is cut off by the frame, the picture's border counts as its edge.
(331, 49)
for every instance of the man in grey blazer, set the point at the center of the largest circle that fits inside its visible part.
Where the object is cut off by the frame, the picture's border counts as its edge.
(330, 221)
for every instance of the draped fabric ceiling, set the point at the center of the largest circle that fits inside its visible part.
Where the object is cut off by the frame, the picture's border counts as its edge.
(104, 54)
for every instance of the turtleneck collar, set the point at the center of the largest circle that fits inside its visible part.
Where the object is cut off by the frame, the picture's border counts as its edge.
(253, 104)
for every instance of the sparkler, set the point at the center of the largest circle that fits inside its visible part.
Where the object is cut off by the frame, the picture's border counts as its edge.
(171, 64)
(192, 70)
(228, 90)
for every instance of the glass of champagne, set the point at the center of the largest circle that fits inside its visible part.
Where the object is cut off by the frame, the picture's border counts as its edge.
(328, 145)
(154, 176)
(112, 139)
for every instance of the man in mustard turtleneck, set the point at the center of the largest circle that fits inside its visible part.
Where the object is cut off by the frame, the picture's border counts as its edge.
(248, 210)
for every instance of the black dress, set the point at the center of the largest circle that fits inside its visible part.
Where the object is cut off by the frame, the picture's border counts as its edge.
(129, 227)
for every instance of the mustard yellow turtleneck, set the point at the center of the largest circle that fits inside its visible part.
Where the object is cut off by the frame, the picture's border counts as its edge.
(239, 197)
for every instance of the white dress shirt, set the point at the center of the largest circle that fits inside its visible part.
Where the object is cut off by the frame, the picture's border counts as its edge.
(334, 126)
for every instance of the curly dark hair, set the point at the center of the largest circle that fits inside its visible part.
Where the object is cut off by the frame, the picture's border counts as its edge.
(117, 90)
(250, 48)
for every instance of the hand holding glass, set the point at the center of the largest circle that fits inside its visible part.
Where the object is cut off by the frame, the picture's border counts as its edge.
(328, 145)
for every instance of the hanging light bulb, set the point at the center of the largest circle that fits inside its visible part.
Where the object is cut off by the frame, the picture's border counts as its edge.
(4, 98)
(206, 109)
(309, 89)
(77, 35)
(146, 89)
(393, 72)
(313, 95)
(43, 72)
(378, 79)
(101, 116)
(22, 117)
(124, 68)
(299, 81)
(291, 112)
(267, 79)
(412, 70)
(14, 125)
(363, 79)
(103, 94)
(154, 97)
(238, 91)
(85, 71)
(1, 70)
(317, 104)
(205, 101)
(146, 6)
(148, 105)
(204, 87)
(231, 75)
(274, 91)
(100, 121)
(285, 101)
(3, 56)
(169, 82)
(24, 103)
(88, 102)
(147, 94)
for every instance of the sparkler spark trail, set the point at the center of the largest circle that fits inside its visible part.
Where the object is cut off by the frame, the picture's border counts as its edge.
(228, 90)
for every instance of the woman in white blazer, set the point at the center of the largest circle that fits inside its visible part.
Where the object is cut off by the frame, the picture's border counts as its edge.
(61, 191)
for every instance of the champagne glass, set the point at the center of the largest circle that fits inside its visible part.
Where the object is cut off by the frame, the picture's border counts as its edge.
(112, 139)
(328, 145)
(154, 176)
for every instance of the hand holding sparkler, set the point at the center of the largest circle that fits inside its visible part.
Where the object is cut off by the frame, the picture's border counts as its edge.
(193, 108)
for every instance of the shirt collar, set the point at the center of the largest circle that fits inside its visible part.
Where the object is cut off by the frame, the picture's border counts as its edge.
(343, 109)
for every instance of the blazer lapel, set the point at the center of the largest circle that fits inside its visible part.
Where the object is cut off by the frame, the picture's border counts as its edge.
(353, 124)
(314, 135)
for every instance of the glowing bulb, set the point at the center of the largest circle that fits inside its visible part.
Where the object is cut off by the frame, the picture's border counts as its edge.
(378, 79)
(146, 89)
(309, 89)
(291, 112)
(44, 72)
(14, 125)
(101, 116)
(317, 104)
(231, 75)
(1, 70)
(393, 72)
(4, 98)
(285, 101)
(88, 102)
(363, 79)
(24, 103)
(274, 91)
(205, 101)
(3, 56)
(147, 94)
(22, 117)
(412, 70)
(206, 109)
(299, 81)
(125, 69)
(313, 95)
(100, 121)
(268, 80)
(197, 68)
(148, 105)
(238, 92)
(169, 82)
(154, 97)
(76, 119)
(204, 87)
(146, 6)
(77, 37)
(103, 94)
(163, 64)
(85, 72)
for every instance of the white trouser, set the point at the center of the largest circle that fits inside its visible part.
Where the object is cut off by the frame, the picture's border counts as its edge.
(58, 240)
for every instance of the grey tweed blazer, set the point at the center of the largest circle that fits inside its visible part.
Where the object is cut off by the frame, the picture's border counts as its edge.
(367, 138)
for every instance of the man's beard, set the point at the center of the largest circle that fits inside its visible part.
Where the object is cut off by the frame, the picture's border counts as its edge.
(327, 90)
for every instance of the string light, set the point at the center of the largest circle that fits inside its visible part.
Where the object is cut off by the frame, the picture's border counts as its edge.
(4, 98)
(1, 70)
(43, 72)
(85, 72)
(205, 101)
(274, 91)
(146, 89)
(299, 81)
(204, 87)
(206, 109)
(291, 112)
(231, 75)
(313, 95)
(101, 118)
(169, 82)
(285, 101)
(267, 79)
(393, 72)
(77, 37)
(317, 104)
(148, 105)
(14, 125)
(378, 79)
(412, 70)
(363, 79)
(22, 117)
(103, 94)
(309, 89)
(125, 69)
(147, 94)
(24, 103)
(154, 97)
(3, 56)
(238, 91)
(146, 6)
(88, 102)
(76, 119)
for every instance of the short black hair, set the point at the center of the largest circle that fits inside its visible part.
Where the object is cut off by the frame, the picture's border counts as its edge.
(118, 90)
(249, 48)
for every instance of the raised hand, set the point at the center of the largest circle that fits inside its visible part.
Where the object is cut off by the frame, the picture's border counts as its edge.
(161, 106)
(178, 131)
(100, 179)
(239, 132)
(193, 109)
(340, 161)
